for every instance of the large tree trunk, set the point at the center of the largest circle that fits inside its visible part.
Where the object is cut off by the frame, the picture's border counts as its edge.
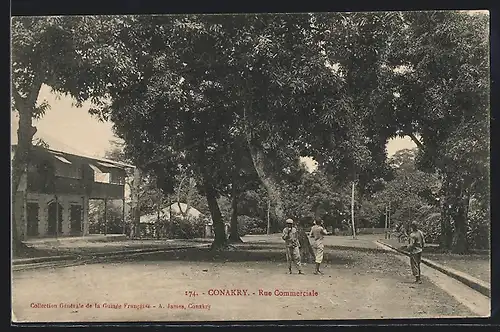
(445, 238)
(25, 132)
(454, 206)
(220, 240)
(257, 155)
(455, 201)
(234, 236)
(459, 210)
(273, 191)
(136, 211)
(17, 200)
(306, 250)
(459, 243)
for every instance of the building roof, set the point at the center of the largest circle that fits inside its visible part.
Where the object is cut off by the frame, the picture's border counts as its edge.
(100, 161)
(165, 213)
(55, 145)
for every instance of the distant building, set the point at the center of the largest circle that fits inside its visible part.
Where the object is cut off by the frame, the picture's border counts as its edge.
(58, 187)
(149, 221)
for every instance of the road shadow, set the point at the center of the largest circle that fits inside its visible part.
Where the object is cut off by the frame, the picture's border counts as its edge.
(259, 246)
(280, 246)
(354, 248)
(234, 255)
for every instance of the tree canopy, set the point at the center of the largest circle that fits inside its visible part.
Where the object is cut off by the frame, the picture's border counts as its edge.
(213, 95)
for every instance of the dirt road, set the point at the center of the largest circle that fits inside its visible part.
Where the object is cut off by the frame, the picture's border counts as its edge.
(180, 287)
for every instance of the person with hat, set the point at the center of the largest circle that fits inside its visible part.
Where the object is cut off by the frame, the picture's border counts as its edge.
(317, 233)
(291, 238)
(415, 248)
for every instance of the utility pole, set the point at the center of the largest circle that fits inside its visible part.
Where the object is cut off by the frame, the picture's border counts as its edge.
(409, 204)
(389, 219)
(386, 221)
(352, 211)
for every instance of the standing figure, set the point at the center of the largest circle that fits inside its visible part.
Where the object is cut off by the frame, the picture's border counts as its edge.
(415, 248)
(290, 236)
(317, 233)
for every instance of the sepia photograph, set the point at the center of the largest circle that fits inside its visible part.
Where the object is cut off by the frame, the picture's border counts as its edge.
(250, 167)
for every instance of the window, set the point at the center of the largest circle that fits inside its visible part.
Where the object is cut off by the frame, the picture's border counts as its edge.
(76, 213)
(64, 168)
(116, 174)
(99, 175)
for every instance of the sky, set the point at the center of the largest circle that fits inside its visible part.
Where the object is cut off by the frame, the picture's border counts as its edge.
(71, 129)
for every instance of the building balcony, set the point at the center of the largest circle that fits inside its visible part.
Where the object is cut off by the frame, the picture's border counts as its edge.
(73, 186)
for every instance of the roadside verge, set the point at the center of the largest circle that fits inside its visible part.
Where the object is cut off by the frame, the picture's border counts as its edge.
(35, 260)
(474, 283)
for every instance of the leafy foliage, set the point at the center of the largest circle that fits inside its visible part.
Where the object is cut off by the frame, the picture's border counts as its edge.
(208, 96)
(414, 195)
(251, 225)
(478, 230)
(315, 197)
(446, 86)
(181, 228)
(114, 218)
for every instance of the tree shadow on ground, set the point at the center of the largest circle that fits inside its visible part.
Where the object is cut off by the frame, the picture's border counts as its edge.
(277, 246)
(353, 248)
(259, 246)
(235, 255)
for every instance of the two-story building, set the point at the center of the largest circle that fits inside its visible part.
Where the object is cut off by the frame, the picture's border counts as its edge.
(57, 190)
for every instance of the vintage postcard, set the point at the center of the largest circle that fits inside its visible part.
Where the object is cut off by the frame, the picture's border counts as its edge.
(250, 167)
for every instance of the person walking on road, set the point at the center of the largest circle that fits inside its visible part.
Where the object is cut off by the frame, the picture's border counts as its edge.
(290, 236)
(317, 233)
(415, 248)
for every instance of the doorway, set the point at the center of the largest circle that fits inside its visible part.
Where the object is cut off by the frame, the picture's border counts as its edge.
(55, 219)
(33, 220)
(76, 219)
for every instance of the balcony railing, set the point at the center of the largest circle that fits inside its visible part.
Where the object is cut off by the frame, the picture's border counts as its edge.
(71, 186)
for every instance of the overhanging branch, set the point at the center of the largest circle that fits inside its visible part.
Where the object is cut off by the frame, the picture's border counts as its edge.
(416, 141)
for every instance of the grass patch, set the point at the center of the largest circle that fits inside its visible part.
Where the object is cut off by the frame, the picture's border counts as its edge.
(478, 266)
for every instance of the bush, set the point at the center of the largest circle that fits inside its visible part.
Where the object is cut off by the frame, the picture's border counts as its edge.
(114, 218)
(242, 226)
(179, 228)
(250, 225)
(478, 229)
(478, 232)
(431, 227)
